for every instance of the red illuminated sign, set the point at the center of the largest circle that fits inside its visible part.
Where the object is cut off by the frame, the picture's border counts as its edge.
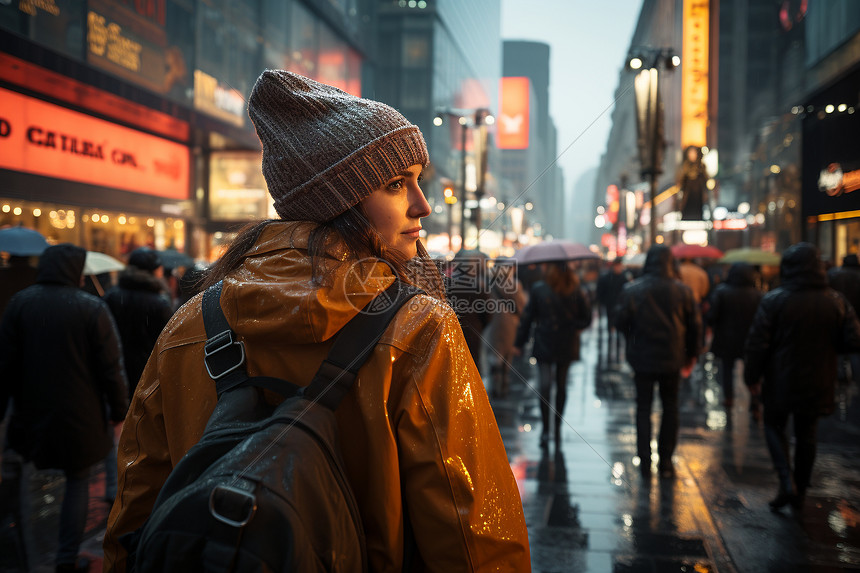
(45, 139)
(513, 125)
(612, 203)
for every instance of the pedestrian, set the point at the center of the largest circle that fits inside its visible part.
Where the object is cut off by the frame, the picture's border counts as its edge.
(509, 299)
(790, 358)
(730, 314)
(846, 279)
(140, 308)
(61, 365)
(658, 318)
(559, 310)
(609, 287)
(421, 448)
(17, 275)
(469, 293)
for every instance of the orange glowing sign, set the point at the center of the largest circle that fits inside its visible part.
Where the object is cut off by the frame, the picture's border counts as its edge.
(513, 124)
(45, 139)
(694, 74)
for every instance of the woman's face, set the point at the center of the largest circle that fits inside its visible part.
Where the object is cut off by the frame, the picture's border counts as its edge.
(395, 210)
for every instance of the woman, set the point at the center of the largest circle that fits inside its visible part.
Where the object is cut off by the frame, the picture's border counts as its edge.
(419, 439)
(561, 310)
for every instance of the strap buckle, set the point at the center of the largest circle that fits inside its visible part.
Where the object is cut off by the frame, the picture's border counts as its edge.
(241, 505)
(221, 349)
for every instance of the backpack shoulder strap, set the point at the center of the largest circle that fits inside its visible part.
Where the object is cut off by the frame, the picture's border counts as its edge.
(354, 343)
(224, 355)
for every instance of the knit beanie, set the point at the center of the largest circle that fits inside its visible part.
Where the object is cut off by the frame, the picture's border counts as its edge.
(325, 150)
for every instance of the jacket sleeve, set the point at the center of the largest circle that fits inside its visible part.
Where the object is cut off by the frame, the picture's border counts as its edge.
(624, 311)
(714, 307)
(108, 356)
(457, 483)
(524, 330)
(10, 361)
(850, 335)
(758, 345)
(693, 340)
(583, 310)
(144, 464)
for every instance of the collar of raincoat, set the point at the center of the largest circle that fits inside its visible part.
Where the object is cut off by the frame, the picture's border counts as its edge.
(272, 295)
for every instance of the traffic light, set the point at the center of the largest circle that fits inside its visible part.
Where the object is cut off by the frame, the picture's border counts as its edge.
(448, 192)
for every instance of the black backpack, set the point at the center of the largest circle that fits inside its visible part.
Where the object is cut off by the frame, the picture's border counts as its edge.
(264, 488)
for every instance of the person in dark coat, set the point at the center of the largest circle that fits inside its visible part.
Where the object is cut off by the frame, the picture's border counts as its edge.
(16, 276)
(61, 364)
(730, 314)
(140, 309)
(796, 334)
(469, 294)
(846, 279)
(659, 320)
(559, 310)
(609, 287)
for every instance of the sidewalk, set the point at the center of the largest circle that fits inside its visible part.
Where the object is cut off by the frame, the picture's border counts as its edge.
(588, 508)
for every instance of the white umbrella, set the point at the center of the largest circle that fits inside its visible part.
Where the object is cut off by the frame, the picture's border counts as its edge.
(98, 263)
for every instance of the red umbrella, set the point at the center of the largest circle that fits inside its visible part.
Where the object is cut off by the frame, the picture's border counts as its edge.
(555, 250)
(684, 251)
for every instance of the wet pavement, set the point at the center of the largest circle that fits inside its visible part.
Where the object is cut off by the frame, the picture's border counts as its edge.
(587, 507)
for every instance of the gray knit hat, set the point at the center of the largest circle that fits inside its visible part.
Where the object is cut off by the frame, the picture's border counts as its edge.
(325, 150)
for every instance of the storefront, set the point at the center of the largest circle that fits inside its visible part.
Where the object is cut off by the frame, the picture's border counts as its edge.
(831, 169)
(80, 179)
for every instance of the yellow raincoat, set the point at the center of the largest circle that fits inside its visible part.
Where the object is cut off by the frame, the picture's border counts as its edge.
(417, 426)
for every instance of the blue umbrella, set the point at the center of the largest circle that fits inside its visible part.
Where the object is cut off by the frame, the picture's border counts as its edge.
(22, 242)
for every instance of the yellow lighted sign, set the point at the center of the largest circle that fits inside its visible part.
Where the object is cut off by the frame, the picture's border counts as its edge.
(694, 74)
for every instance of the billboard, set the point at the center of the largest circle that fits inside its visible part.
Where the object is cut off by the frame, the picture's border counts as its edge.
(513, 125)
(694, 74)
(45, 139)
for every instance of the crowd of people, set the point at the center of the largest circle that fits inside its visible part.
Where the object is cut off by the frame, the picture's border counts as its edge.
(424, 446)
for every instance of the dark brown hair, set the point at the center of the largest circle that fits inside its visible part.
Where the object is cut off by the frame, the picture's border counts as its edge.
(351, 229)
(561, 278)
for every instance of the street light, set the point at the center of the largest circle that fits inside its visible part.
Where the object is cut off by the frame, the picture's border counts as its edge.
(649, 116)
(475, 118)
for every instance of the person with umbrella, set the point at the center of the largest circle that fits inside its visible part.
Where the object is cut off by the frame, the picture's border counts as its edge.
(559, 310)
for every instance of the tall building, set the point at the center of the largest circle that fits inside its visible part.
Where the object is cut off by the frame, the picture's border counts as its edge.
(442, 59)
(532, 177)
(783, 101)
(624, 174)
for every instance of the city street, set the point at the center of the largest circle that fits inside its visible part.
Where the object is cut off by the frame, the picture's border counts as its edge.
(588, 508)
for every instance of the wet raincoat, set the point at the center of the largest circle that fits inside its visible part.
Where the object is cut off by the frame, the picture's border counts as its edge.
(419, 438)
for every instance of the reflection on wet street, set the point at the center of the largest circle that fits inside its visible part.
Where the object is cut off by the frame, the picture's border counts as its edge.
(589, 508)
